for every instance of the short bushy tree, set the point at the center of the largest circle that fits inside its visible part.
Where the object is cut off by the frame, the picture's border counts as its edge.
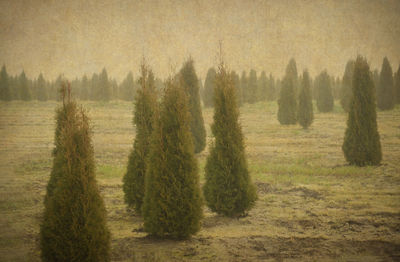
(190, 84)
(305, 114)
(228, 189)
(324, 93)
(74, 222)
(385, 91)
(172, 205)
(361, 144)
(144, 113)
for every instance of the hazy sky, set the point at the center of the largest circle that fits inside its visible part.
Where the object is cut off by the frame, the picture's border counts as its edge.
(77, 36)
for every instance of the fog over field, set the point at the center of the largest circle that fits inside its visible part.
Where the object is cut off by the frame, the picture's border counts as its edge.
(76, 37)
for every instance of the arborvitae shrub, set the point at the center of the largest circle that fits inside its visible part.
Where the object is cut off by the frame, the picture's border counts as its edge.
(228, 189)
(305, 114)
(145, 108)
(172, 202)
(347, 90)
(385, 91)
(324, 93)
(190, 84)
(287, 103)
(74, 222)
(361, 144)
(209, 85)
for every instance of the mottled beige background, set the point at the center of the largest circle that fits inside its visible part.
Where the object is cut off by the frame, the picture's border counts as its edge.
(77, 36)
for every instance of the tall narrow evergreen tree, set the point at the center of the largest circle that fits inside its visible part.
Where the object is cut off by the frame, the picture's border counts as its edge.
(262, 87)
(324, 93)
(361, 144)
(145, 110)
(209, 85)
(74, 222)
(5, 92)
(41, 89)
(24, 90)
(228, 189)
(172, 202)
(397, 85)
(305, 115)
(243, 88)
(271, 88)
(251, 91)
(236, 84)
(287, 103)
(347, 90)
(190, 84)
(385, 91)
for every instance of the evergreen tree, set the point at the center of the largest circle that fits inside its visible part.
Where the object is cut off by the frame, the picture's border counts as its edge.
(397, 85)
(361, 144)
(74, 222)
(25, 92)
(209, 85)
(385, 91)
(5, 92)
(41, 89)
(287, 103)
(145, 109)
(262, 87)
(324, 93)
(347, 90)
(271, 88)
(190, 84)
(172, 202)
(236, 83)
(305, 114)
(251, 91)
(85, 88)
(128, 88)
(243, 88)
(104, 86)
(228, 189)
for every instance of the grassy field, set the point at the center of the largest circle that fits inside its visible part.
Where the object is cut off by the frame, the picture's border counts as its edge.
(311, 206)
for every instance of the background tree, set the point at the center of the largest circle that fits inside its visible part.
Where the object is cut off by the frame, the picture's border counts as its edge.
(243, 88)
(324, 92)
(271, 88)
(127, 91)
(361, 144)
(305, 114)
(262, 87)
(251, 91)
(190, 84)
(236, 83)
(287, 103)
(397, 85)
(144, 113)
(74, 222)
(228, 189)
(5, 92)
(104, 87)
(172, 202)
(209, 85)
(347, 89)
(385, 91)
(41, 88)
(24, 90)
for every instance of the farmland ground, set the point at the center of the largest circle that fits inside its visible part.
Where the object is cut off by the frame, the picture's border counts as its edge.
(311, 206)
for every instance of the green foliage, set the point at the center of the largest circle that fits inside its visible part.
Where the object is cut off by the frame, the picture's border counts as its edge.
(172, 202)
(41, 89)
(74, 222)
(243, 88)
(236, 83)
(24, 91)
(5, 92)
(287, 103)
(251, 91)
(228, 189)
(127, 89)
(324, 92)
(262, 87)
(271, 88)
(346, 90)
(361, 144)
(190, 84)
(209, 84)
(305, 115)
(145, 110)
(385, 91)
(397, 85)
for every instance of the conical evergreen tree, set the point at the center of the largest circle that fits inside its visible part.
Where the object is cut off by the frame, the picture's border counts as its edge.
(209, 85)
(385, 91)
(172, 202)
(24, 91)
(228, 189)
(74, 222)
(243, 88)
(236, 84)
(262, 87)
(5, 92)
(305, 114)
(41, 89)
(271, 88)
(287, 103)
(190, 84)
(324, 93)
(251, 91)
(145, 110)
(347, 90)
(361, 144)
(397, 85)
